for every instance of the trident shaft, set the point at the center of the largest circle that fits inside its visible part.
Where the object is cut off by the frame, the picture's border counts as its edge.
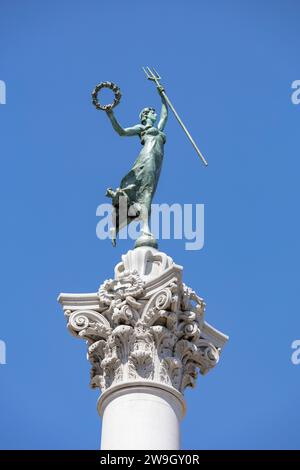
(155, 77)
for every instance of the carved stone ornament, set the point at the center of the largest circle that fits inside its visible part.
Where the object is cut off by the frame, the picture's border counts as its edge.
(144, 325)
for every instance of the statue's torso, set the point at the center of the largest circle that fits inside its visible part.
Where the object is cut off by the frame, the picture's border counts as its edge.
(151, 134)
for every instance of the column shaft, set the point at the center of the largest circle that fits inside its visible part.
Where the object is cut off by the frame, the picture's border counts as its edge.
(140, 417)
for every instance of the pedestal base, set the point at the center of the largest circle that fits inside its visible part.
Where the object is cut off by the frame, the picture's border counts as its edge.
(146, 240)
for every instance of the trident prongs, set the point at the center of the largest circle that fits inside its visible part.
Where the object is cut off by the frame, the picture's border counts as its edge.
(146, 73)
(158, 77)
(154, 76)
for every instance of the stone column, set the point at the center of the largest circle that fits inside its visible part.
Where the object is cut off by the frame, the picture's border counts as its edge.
(147, 339)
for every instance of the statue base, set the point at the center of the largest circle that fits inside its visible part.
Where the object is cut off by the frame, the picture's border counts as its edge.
(146, 239)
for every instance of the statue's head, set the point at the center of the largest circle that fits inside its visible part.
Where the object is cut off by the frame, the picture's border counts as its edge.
(148, 113)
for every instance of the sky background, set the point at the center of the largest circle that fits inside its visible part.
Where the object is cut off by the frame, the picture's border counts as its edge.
(228, 67)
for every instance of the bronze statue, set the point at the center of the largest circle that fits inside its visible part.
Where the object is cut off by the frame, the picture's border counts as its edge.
(132, 200)
(139, 185)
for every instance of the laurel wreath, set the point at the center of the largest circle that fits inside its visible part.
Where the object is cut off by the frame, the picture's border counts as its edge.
(112, 86)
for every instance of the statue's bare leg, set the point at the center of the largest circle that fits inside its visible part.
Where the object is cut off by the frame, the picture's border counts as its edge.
(146, 238)
(145, 214)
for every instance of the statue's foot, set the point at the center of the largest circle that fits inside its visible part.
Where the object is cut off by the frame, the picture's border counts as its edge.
(110, 193)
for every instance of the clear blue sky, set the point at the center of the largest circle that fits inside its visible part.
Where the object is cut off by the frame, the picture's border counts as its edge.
(228, 66)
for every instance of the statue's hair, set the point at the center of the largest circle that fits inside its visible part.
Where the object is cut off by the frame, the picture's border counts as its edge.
(144, 113)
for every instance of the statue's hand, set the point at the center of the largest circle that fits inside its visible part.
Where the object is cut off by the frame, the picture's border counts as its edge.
(160, 89)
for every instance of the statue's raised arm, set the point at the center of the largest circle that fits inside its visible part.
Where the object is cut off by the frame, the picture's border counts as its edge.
(128, 131)
(154, 76)
(164, 110)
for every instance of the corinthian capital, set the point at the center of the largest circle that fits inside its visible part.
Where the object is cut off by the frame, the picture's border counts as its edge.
(145, 325)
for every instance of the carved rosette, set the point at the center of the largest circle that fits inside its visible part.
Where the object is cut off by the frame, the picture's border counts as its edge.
(144, 325)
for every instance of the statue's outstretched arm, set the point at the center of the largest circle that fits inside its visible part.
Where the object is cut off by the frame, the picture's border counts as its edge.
(164, 110)
(129, 131)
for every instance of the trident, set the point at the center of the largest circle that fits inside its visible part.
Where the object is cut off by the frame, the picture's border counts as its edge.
(154, 76)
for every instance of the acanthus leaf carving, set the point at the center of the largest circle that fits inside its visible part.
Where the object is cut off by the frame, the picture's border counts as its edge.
(140, 359)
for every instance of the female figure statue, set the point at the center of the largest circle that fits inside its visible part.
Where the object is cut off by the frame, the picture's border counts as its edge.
(137, 188)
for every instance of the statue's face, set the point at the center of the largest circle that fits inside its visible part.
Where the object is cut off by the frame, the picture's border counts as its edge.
(152, 115)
